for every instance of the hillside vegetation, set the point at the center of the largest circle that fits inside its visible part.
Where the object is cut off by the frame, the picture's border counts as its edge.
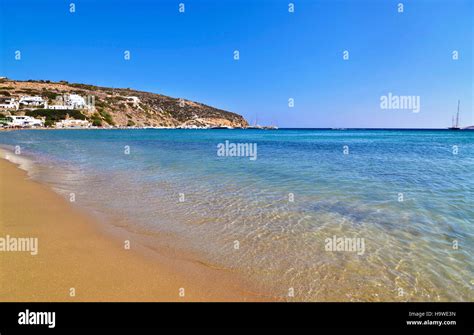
(112, 108)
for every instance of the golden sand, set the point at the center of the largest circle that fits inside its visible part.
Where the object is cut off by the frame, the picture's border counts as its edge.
(75, 256)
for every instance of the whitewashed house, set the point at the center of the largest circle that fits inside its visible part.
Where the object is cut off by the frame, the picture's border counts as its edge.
(32, 101)
(25, 121)
(70, 101)
(60, 107)
(73, 123)
(8, 103)
(75, 101)
(134, 100)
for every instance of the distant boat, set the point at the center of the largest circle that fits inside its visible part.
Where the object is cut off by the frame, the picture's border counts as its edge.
(271, 127)
(255, 125)
(455, 126)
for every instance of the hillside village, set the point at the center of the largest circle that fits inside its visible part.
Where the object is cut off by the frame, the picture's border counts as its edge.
(38, 104)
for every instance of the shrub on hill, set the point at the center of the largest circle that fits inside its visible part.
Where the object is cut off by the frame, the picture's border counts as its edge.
(106, 116)
(96, 120)
(53, 115)
(50, 95)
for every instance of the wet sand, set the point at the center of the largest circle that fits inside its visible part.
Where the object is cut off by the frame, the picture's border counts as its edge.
(74, 252)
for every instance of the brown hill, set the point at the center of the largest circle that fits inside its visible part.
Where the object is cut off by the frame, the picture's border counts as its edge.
(112, 107)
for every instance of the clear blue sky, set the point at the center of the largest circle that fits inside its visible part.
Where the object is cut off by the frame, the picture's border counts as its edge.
(282, 55)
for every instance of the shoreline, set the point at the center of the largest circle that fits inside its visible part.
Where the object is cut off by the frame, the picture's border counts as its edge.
(74, 251)
(468, 128)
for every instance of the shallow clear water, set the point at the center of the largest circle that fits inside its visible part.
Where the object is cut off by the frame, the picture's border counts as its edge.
(408, 254)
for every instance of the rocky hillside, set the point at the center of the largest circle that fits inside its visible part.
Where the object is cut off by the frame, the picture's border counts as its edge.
(112, 107)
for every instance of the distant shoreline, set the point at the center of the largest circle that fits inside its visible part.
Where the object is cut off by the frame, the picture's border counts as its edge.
(247, 129)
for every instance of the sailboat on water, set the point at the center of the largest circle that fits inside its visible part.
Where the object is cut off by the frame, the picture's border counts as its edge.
(455, 125)
(255, 125)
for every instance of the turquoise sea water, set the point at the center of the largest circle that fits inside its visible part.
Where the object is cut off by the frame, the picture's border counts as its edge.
(237, 213)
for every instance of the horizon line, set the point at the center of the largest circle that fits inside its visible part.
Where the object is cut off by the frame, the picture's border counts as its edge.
(141, 90)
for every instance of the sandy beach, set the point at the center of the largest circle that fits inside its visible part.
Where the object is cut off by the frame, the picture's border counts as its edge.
(73, 252)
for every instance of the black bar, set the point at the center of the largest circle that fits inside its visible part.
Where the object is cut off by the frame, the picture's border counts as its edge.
(369, 316)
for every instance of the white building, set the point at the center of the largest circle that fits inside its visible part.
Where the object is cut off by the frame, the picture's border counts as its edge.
(75, 101)
(25, 121)
(32, 100)
(72, 123)
(60, 107)
(8, 103)
(134, 100)
(70, 101)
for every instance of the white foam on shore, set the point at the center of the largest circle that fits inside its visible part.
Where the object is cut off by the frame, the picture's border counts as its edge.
(22, 162)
